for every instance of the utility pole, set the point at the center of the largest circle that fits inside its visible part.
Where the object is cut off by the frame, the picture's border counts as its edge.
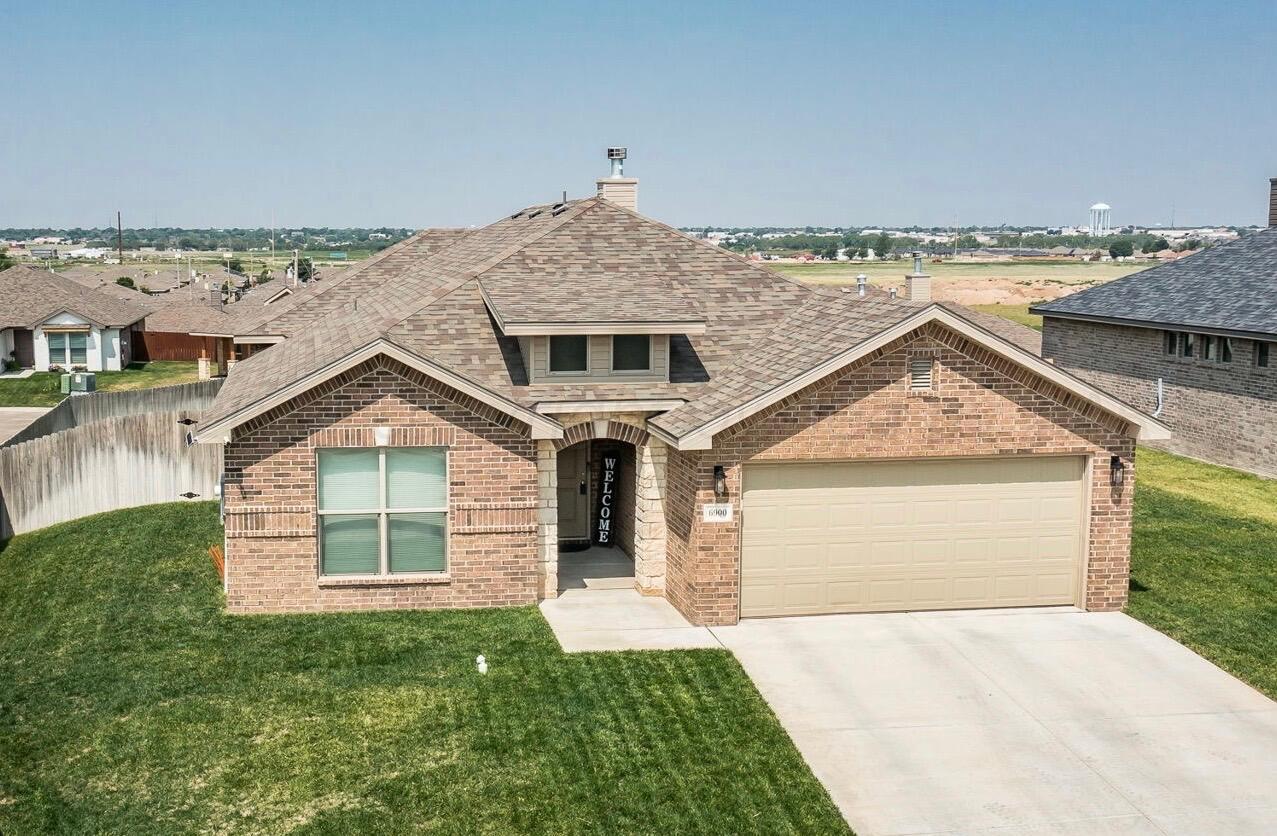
(296, 276)
(119, 236)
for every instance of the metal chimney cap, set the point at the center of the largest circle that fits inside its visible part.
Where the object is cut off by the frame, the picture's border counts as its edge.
(616, 153)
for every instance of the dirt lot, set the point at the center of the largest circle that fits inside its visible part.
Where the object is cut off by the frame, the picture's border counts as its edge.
(996, 283)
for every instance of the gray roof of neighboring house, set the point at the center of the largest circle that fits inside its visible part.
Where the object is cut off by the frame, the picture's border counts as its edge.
(1231, 287)
(761, 329)
(29, 296)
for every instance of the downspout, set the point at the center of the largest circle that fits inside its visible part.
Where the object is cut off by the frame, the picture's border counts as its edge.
(1157, 413)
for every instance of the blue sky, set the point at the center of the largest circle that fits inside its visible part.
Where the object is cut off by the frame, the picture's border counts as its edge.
(418, 114)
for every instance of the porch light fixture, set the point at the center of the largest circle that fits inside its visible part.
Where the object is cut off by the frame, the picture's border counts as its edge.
(720, 483)
(1117, 472)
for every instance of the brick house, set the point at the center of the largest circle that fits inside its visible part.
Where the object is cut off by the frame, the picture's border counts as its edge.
(436, 428)
(1193, 342)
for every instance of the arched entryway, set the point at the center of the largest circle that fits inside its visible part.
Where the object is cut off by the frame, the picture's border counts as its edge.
(596, 515)
(602, 514)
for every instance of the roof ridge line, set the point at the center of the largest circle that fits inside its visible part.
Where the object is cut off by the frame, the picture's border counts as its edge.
(450, 287)
(722, 252)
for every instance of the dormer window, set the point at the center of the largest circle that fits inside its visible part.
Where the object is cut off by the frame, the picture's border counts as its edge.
(631, 353)
(569, 354)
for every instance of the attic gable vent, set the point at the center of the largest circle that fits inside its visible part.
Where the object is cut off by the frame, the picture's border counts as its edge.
(920, 374)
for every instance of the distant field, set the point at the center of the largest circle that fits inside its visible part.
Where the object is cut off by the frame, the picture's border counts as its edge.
(1015, 313)
(1016, 283)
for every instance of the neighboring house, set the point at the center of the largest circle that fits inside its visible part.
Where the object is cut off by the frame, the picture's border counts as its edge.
(430, 431)
(1192, 340)
(47, 320)
(148, 279)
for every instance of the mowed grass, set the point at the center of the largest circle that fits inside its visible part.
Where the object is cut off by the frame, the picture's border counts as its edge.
(1015, 313)
(45, 388)
(130, 703)
(1204, 562)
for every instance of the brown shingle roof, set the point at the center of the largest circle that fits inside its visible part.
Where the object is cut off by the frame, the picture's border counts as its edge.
(29, 296)
(762, 330)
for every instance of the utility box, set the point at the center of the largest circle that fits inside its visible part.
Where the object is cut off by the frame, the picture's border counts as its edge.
(78, 383)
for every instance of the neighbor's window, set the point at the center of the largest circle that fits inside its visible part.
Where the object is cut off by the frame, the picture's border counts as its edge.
(631, 353)
(383, 510)
(68, 348)
(1186, 345)
(1210, 347)
(1171, 344)
(1261, 353)
(1225, 349)
(569, 353)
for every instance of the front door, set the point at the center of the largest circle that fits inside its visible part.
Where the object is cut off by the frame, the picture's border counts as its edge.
(24, 347)
(574, 493)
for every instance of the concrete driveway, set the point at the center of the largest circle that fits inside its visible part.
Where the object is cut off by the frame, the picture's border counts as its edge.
(1016, 721)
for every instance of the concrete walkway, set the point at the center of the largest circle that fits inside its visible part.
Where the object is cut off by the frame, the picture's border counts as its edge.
(16, 418)
(598, 608)
(1016, 722)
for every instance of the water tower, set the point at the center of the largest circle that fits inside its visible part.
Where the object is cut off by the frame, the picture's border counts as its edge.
(1101, 223)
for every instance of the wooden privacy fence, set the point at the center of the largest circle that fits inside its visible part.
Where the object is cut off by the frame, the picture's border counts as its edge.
(78, 410)
(114, 455)
(170, 345)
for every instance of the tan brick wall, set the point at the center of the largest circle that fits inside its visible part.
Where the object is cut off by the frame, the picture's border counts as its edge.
(272, 556)
(1220, 412)
(981, 406)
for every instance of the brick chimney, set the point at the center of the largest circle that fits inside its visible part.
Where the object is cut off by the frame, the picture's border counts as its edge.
(1272, 201)
(918, 283)
(617, 188)
(215, 297)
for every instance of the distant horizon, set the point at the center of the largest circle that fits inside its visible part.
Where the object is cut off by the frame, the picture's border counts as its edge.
(751, 114)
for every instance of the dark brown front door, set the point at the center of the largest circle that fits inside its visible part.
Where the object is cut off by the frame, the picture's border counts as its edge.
(24, 347)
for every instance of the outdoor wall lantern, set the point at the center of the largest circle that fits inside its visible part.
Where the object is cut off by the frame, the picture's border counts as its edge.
(720, 483)
(1117, 473)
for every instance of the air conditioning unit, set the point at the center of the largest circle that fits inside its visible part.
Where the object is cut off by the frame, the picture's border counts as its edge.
(79, 383)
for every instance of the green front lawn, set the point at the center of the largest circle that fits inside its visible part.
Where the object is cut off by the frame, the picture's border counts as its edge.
(44, 388)
(1204, 562)
(130, 703)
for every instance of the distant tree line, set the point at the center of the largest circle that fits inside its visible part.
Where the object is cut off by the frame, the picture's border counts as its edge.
(167, 238)
(858, 243)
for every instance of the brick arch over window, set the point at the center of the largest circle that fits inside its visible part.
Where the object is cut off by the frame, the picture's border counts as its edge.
(616, 431)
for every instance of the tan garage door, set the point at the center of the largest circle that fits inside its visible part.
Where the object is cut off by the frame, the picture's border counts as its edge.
(918, 535)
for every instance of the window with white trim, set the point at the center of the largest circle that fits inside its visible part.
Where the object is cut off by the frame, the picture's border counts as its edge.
(1261, 353)
(1170, 344)
(68, 348)
(1185, 344)
(382, 510)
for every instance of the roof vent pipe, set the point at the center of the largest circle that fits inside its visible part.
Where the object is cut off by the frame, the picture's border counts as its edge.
(861, 281)
(892, 291)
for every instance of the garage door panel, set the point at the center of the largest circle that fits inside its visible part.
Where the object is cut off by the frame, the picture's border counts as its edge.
(849, 537)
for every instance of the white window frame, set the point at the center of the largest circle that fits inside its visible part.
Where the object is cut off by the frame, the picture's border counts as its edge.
(66, 362)
(651, 356)
(383, 516)
(1254, 354)
(549, 357)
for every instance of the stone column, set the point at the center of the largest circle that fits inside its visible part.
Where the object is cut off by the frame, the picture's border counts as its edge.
(548, 519)
(649, 516)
